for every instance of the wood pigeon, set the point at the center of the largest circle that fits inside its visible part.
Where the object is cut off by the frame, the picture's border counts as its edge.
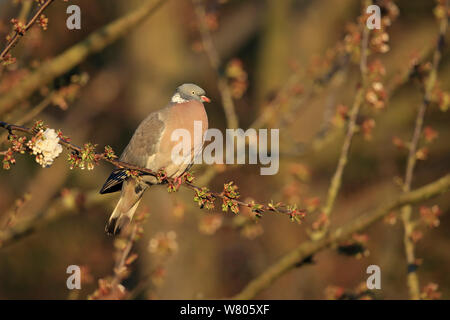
(151, 147)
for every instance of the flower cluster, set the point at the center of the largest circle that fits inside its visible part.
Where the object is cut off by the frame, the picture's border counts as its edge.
(429, 135)
(18, 27)
(230, 193)
(174, 185)
(8, 159)
(339, 293)
(441, 98)
(294, 214)
(251, 230)
(8, 59)
(247, 221)
(376, 95)
(178, 210)
(300, 171)
(45, 145)
(161, 176)
(209, 224)
(212, 20)
(43, 22)
(367, 127)
(163, 244)
(430, 292)
(391, 218)
(211, 23)
(341, 116)
(18, 145)
(430, 215)
(109, 153)
(257, 208)
(321, 223)
(204, 198)
(107, 290)
(380, 38)
(352, 41)
(86, 158)
(38, 125)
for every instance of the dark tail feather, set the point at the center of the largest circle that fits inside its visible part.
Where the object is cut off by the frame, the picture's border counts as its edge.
(115, 225)
(126, 207)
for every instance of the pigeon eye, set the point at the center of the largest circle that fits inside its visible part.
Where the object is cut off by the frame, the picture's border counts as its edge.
(193, 92)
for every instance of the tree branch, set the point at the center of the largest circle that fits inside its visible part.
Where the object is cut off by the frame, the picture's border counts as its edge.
(336, 180)
(408, 225)
(214, 60)
(67, 205)
(94, 43)
(204, 197)
(18, 34)
(309, 248)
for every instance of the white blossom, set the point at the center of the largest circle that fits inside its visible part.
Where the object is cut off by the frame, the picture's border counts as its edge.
(46, 147)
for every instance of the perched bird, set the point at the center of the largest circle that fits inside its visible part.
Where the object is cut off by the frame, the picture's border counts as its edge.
(151, 147)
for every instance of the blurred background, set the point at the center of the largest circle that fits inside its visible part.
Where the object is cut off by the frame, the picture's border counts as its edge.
(265, 47)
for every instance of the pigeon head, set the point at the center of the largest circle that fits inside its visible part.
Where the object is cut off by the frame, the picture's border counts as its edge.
(189, 91)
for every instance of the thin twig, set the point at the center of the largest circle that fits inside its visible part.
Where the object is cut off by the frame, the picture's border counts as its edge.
(259, 208)
(336, 180)
(25, 10)
(214, 60)
(60, 207)
(11, 214)
(30, 115)
(340, 63)
(362, 222)
(271, 109)
(408, 225)
(121, 261)
(18, 35)
(23, 15)
(95, 42)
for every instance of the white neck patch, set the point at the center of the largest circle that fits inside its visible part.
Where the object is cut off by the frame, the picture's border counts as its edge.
(178, 99)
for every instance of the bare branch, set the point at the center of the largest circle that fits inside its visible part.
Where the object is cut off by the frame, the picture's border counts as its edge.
(18, 34)
(408, 225)
(336, 180)
(309, 248)
(95, 42)
(60, 208)
(229, 196)
(214, 60)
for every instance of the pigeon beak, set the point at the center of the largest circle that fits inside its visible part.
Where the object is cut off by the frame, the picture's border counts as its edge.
(205, 99)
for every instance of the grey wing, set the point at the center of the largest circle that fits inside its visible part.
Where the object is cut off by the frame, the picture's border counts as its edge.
(142, 147)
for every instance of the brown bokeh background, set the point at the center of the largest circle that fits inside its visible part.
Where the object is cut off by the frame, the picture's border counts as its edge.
(139, 73)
